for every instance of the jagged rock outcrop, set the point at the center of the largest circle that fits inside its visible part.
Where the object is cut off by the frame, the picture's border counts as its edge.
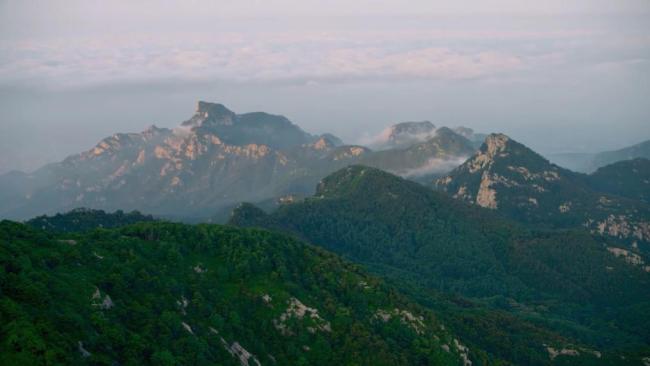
(210, 163)
(211, 114)
(505, 175)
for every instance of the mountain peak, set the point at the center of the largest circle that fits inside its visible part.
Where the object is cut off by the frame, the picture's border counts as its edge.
(209, 107)
(357, 179)
(211, 113)
(466, 132)
(495, 143)
(153, 130)
(446, 131)
(500, 162)
(323, 143)
(500, 149)
(246, 213)
(412, 127)
(335, 141)
(404, 134)
(407, 131)
(342, 180)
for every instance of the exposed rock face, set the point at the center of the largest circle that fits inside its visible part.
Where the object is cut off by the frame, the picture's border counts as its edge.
(331, 139)
(507, 176)
(621, 227)
(570, 351)
(105, 304)
(84, 352)
(182, 304)
(553, 353)
(213, 161)
(187, 327)
(245, 358)
(211, 114)
(496, 145)
(322, 144)
(199, 269)
(630, 257)
(349, 153)
(296, 309)
(236, 350)
(463, 351)
(405, 316)
(326, 142)
(486, 196)
(478, 179)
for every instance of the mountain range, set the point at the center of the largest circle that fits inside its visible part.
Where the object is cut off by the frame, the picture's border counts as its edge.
(213, 161)
(590, 162)
(430, 246)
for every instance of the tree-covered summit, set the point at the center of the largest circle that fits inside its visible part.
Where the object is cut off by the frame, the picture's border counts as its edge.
(82, 219)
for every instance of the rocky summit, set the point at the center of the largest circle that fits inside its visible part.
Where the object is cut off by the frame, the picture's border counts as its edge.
(506, 176)
(214, 160)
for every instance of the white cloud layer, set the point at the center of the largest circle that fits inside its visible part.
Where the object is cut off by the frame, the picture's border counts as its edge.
(236, 57)
(80, 43)
(308, 57)
(435, 166)
(312, 56)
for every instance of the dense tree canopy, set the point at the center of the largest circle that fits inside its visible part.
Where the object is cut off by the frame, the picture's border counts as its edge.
(82, 219)
(173, 294)
(566, 281)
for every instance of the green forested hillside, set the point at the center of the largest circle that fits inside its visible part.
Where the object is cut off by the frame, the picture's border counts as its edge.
(173, 294)
(628, 178)
(473, 286)
(82, 219)
(565, 281)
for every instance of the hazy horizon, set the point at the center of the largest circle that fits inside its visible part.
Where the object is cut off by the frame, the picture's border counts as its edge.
(559, 76)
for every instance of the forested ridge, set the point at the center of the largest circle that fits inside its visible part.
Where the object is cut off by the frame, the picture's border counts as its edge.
(564, 282)
(82, 219)
(174, 294)
(451, 284)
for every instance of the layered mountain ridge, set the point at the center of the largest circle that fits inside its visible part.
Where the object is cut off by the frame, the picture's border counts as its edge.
(590, 162)
(212, 161)
(509, 260)
(640, 150)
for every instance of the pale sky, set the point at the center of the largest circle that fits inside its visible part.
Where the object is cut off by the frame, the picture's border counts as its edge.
(557, 75)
